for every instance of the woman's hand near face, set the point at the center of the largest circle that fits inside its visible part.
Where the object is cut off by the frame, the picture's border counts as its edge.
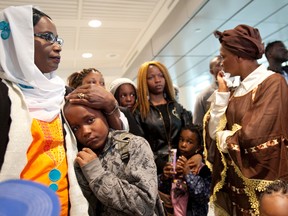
(85, 156)
(222, 85)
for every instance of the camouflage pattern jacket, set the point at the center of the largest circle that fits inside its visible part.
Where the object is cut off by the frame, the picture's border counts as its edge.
(123, 179)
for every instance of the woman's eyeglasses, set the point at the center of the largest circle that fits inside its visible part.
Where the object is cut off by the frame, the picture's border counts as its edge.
(48, 36)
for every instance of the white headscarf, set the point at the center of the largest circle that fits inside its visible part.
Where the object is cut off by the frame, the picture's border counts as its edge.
(44, 94)
(118, 82)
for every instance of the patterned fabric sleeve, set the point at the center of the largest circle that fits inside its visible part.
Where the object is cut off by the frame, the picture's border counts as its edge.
(199, 185)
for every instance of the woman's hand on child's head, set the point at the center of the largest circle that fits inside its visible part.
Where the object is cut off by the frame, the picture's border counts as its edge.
(168, 171)
(85, 156)
(92, 96)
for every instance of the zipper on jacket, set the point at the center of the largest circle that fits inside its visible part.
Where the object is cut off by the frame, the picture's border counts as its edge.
(161, 116)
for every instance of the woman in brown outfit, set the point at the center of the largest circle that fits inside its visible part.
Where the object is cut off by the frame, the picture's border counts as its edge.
(247, 127)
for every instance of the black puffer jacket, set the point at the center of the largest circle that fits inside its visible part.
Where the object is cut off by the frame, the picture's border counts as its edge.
(155, 133)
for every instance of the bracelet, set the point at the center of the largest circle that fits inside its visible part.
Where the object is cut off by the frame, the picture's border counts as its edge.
(113, 111)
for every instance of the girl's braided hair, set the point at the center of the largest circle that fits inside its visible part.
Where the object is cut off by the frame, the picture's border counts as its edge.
(75, 79)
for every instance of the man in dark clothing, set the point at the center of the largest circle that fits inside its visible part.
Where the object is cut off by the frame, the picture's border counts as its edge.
(276, 54)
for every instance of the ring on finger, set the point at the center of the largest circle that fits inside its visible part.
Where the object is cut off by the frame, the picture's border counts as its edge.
(81, 95)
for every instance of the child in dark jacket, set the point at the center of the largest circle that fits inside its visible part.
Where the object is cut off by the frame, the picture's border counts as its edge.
(189, 188)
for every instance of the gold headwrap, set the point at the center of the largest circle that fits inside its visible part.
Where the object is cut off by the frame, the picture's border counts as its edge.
(244, 41)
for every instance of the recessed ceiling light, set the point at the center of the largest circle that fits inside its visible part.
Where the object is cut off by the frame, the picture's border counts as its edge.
(87, 55)
(198, 30)
(112, 55)
(95, 23)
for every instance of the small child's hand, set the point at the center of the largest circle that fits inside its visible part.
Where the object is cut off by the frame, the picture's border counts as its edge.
(168, 171)
(85, 156)
(182, 166)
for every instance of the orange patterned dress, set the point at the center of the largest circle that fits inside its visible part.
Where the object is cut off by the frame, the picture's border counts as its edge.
(46, 158)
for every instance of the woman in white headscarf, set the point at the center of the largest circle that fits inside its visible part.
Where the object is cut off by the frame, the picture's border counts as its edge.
(34, 141)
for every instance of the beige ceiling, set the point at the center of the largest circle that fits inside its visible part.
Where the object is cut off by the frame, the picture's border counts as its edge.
(175, 32)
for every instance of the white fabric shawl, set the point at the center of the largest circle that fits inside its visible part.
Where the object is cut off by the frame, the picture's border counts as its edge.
(43, 94)
(43, 102)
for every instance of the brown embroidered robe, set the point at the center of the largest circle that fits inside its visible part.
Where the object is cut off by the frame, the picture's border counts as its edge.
(257, 151)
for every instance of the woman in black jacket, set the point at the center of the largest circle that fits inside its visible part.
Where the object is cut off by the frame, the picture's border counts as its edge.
(157, 112)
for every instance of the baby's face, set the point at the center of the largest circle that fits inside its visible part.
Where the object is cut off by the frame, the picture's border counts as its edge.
(275, 204)
(89, 125)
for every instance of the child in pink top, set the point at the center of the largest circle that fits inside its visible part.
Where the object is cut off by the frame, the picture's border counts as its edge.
(188, 187)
